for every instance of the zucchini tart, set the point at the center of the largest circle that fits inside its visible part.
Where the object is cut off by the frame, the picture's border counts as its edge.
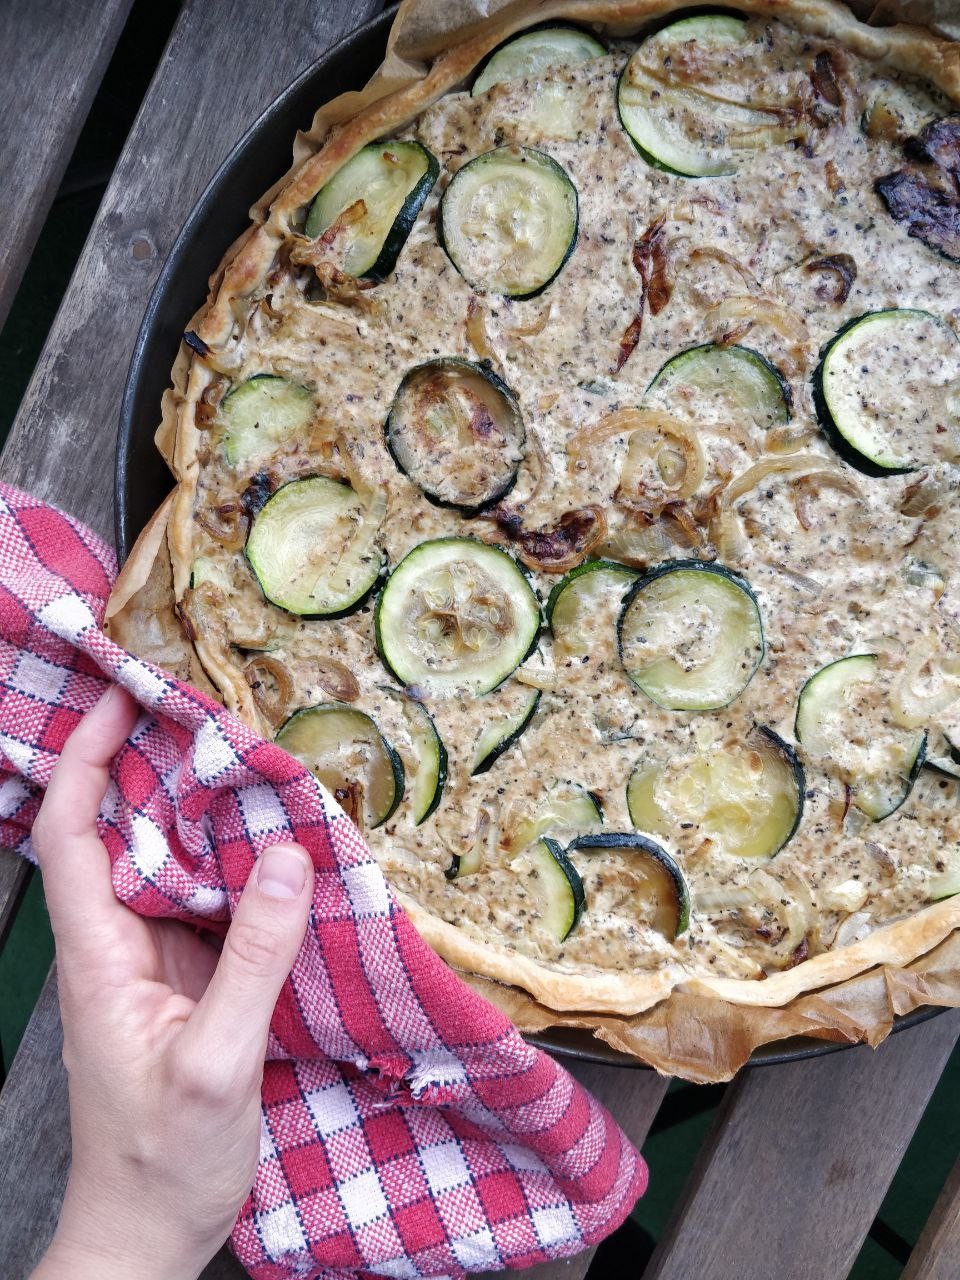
(567, 474)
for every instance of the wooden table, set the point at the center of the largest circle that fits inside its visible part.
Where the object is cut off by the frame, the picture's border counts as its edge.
(794, 1170)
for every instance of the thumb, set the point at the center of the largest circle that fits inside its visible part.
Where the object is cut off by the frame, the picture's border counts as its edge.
(258, 953)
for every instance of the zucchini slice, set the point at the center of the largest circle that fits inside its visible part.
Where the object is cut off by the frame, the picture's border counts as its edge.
(430, 771)
(369, 206)
(344, 749)
(578, 604)
(456, 430)
(208, 572)
(690, 635)
(456, 615)
(654, 876)
(676, 126)
(843, 722)
(735, 380)
(531, 54)
(500, 734)
(558, 887)
(261, 414)
(747, 799)
(884, 392)
(567, 809)
(312, 547)
(508, 221)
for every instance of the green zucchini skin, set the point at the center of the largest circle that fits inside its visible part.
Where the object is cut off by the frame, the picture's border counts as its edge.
(396, 764)
(588, 566)
(825, 418)
(563, 176)
(539, 26)
(671, 20)
(498, 384)
(440, 750)
(647, 156)
(442, 774)
(238, 447)
(633, 842)
(839, 443)
(506, 742)
(948, 766)
(735, 350)
(383, 646)
(699, 566)
(403, 224)
(789, 754)
(577, 892)
(809, 690)
(255, 499)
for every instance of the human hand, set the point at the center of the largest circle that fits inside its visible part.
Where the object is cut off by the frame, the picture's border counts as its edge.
(164, 1038)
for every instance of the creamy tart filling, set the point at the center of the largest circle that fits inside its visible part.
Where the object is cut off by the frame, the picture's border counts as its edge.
(630, 340)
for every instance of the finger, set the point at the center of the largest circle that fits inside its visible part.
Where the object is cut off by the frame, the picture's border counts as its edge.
(73, 860)
(258, 953)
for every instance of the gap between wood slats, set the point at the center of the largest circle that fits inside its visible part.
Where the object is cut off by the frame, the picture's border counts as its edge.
(937, 1252)
(799, 1160)
(34, 1140)
(52, 58)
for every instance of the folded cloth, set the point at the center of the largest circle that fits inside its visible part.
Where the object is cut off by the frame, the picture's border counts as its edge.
(407, 1129)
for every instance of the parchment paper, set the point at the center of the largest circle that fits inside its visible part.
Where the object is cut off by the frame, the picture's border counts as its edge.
(696, 1037)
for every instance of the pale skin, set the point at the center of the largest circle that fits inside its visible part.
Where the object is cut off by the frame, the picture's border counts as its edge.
(164, 1037)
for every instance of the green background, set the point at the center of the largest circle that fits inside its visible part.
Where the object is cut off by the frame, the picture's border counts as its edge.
(689, 1111)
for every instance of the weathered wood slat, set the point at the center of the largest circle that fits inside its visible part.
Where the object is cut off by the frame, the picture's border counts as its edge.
(52, 58)
(14, 874)
(34, 1117)
(210, 85)
(799, 1160)
(937, 1252)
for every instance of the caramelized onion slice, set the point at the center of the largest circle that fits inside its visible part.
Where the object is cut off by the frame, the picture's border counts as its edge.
(559, 547)
(336, 680)
(806, 487)
(476, 330)
(733, 312)
(226, 524)
(646, 425)
(272, 687)
(844, 269)
(793, 464)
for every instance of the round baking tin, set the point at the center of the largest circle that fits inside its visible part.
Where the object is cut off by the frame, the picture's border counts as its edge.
(221, 214)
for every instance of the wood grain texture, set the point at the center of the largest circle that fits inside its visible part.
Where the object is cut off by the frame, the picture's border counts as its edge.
(14, 875)
(226, 60)
(799, 1160)
(634, 1097)
(34, 1150)
(937, 1252)
(52, 58)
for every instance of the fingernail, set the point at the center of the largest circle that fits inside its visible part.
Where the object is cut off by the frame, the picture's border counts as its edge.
(282, 871)
(107, 697)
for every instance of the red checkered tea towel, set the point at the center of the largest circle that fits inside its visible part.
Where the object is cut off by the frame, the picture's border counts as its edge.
(407, 1129)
